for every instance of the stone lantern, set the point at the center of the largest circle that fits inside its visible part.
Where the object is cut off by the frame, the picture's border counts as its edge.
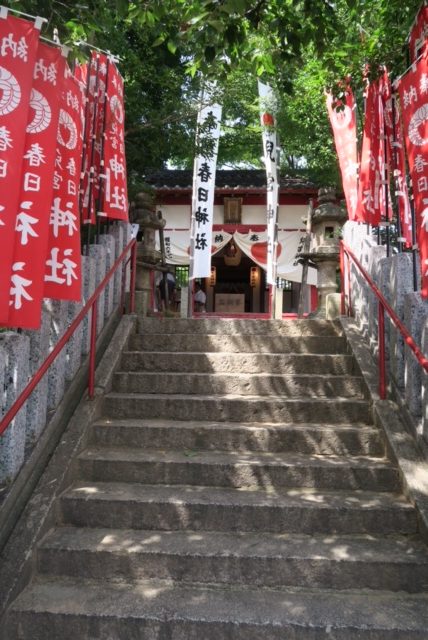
(327, 221)
(144, 214)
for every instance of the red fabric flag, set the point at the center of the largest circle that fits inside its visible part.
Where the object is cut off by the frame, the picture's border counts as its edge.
(103, 65)
(18, 47)
(63, 263)
(32, 222)
(418, 34)
(87, 203)
(413, 92)
(396, 156)
(371, 194)
(114, 189)
(344, 127)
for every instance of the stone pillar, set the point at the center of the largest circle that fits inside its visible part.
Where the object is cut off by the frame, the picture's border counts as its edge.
(415, 317)
(184, 304)
(107, 241)
(89, 277)
(38, 401)
(16, 370)
(375, 254)
(98, 252)
(401, 285)
(58, 310)
(117, 233)
(75, 344)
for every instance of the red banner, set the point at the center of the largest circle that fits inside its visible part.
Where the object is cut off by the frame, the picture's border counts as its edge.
(32, 222)
(413, 92)
(103, 65)
(18, 47)
(396, 156)
(63, 263)
(114, 190)
(343, 123)
(371, 195)
(418, 34)
(87, 202)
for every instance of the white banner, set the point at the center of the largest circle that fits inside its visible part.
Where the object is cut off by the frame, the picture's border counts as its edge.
(253, 244)
(209, 119)
(177, 247)
(267, 103)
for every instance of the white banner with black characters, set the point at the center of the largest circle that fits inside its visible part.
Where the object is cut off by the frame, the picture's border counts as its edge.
(267, 118)
(177, 247)
(208, 132)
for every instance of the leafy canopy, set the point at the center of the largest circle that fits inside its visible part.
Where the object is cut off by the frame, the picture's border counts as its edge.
(299, 46)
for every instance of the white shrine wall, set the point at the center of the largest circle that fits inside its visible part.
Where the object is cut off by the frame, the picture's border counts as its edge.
(290, 216)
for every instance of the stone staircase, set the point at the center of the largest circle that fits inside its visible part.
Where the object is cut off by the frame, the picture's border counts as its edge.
(234, 489)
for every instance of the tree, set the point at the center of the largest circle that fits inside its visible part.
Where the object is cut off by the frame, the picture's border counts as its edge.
(299, 46)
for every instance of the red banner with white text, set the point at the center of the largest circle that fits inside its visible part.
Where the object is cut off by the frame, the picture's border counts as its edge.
(103, 66)
(87, 202)
(32, 222)
(114, 190)
(343, 123)
(371, 194)
(63, 262)
(18, 47)
(396, 156)
(418, 34)
(413, 92)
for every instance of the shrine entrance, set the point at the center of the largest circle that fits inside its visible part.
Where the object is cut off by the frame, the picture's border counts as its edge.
(238, 284)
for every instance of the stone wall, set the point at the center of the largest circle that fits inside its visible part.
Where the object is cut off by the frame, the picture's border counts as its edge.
(21, 354)
(394, 277)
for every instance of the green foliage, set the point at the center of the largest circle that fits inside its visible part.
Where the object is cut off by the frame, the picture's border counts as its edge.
(299, 46)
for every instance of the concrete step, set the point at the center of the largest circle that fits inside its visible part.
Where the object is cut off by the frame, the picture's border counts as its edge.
(242, 384)
(301, 511)
(232, 469)
(195, 343)
(235, 408)
(266, 560)
(231, 326)
(319, 439)
(70, 609)
(285, 363)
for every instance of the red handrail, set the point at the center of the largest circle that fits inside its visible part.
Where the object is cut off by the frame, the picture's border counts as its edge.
(92, 304)
(383, 306)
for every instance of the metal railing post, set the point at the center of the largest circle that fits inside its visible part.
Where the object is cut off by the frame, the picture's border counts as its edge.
(342, 279)
(349, 287)
(93, 350)
(381, 346)
(133, 278)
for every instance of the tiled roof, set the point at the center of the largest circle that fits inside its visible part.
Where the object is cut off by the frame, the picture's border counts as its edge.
(225, 178)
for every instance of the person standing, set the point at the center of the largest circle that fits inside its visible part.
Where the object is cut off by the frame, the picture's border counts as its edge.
(199, 298)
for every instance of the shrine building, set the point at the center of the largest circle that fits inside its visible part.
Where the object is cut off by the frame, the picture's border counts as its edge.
(237, 285)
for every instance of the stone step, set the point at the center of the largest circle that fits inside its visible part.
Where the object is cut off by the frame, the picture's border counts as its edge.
(232, 326)
(266, 560)
(319, 439)
(67, 609)
(230, 469)
(242, 384)
(301, 511)
(198, 343)
(235, 408)
(285, 363)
